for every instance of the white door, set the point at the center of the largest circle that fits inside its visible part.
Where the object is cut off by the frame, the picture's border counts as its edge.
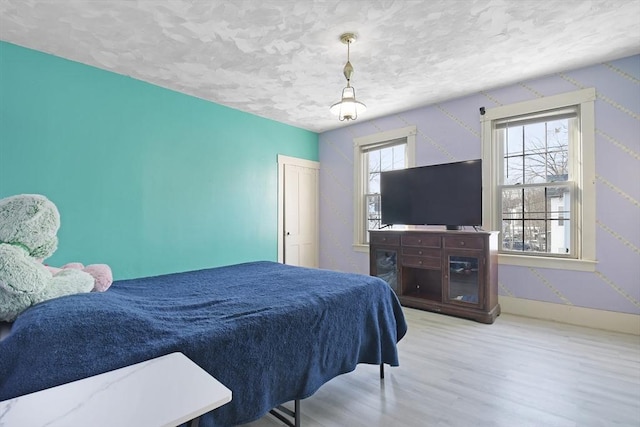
(299, 212)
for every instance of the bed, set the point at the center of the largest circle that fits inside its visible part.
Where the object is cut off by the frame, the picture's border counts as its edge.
(271, 333)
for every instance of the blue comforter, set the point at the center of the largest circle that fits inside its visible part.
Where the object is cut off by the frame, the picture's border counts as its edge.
(270, 332)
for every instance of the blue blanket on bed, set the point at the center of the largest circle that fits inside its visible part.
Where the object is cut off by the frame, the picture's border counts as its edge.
(270, 332)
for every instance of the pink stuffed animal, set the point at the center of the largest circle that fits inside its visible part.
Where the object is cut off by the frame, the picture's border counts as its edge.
(101, 274)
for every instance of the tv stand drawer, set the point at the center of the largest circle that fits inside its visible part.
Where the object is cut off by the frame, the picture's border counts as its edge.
(421, 240)
(385, 238)
(421, 262)
(423, 252)
(464, 242)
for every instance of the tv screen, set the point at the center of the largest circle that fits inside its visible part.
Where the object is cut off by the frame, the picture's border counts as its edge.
(447, 194)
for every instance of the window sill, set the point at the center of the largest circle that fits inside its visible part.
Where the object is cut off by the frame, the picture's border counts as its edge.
(359, 247)
(547, 262)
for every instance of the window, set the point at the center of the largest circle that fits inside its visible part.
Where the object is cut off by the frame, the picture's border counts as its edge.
(539, 161)
(373, 155)
(389, 157)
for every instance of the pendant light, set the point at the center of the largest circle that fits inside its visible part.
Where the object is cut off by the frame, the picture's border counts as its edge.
(348, 108)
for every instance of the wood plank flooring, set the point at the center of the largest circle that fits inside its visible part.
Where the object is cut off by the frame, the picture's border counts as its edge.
(517, 372)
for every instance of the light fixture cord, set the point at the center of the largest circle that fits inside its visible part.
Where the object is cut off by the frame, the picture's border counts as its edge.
(348, 68)
(349, 60)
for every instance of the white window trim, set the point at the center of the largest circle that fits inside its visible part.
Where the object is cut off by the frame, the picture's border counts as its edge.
(360, 174)
(586, 239)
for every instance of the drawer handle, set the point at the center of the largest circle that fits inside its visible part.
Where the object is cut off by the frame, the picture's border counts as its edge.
(461, 243)
(420, 262)
(419, 240)
(419, 252)
(384, 239)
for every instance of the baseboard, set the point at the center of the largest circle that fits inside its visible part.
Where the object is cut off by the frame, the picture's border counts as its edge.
(581, 316)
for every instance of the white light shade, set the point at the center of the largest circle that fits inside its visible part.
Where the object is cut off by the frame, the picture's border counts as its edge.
(348, 108)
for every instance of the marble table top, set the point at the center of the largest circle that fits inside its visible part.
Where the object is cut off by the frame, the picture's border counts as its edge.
(166, 391)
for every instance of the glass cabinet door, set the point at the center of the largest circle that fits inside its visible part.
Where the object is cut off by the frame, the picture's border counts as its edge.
(464, 279)
(386, 267)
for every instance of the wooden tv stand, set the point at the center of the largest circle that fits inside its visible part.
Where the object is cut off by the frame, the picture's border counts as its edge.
(450, 272)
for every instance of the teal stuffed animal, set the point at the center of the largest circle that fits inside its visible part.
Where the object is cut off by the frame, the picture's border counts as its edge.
(28, 234)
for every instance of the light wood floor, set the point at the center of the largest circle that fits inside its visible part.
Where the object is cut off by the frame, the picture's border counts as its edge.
(517, 372)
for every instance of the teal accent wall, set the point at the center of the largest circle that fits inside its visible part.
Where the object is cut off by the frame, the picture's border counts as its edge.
(147, 180)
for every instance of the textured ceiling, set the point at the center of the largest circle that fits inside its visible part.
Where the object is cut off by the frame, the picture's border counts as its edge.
(282, 59)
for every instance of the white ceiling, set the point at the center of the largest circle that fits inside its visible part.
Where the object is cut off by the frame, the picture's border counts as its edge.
(282, 59)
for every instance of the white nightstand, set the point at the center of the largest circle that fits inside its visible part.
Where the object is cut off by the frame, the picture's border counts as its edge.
(166, 391)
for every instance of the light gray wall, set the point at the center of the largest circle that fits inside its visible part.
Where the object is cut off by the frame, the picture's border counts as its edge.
(450, 131)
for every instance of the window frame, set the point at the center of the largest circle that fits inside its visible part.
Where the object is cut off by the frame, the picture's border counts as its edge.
(584, 178)
(361, 170)
(500, 139)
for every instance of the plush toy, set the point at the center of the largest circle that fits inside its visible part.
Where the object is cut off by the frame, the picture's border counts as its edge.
(28, 227)
(101, 274)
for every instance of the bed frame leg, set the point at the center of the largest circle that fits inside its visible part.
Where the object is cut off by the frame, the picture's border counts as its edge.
(382, 371)
(281, 413)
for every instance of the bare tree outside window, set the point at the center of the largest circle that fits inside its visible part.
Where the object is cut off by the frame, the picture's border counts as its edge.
(539, 180)
(373, 154)
(536, 187)
(380, 160)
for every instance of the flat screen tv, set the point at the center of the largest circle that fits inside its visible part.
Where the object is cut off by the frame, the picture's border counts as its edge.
(447, 194)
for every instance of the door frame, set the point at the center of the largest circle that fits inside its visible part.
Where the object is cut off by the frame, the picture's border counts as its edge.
(287, 160)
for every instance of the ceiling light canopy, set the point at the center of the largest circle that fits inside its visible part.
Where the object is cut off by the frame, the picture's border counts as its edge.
(348, 108)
